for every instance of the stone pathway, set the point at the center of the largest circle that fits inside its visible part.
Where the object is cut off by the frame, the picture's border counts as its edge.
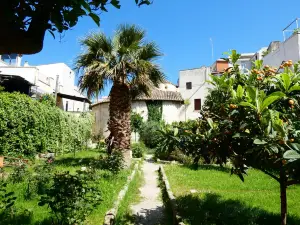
(150, 211)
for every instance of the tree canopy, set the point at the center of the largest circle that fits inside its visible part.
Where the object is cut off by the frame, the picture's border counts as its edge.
(25, 22)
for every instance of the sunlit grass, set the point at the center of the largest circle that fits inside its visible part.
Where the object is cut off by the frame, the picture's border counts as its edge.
(224, 199)
(109, 185)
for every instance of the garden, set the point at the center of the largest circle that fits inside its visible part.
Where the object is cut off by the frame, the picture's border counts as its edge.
(248, 128)
(50, 175)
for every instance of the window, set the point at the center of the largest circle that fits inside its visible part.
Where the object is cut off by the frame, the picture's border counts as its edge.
(188, 85)
(197, 104)
(67, 105)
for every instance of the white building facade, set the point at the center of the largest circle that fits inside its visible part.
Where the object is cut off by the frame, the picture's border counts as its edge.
(193, 88)
(167, 95)
(44, 79)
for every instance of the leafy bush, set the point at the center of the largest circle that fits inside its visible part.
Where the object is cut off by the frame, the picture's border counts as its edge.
(48, 99)
(138, 150)
(71, 198)
(101, 144)
(168, 141)
(149, 133)
(28, 126)
(43, 175)
(136, 122)
(154, 111)
(7, 199)
(18, 174)
(253, 120)
(113, 162)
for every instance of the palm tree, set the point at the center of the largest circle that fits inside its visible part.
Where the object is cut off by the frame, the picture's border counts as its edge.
(126, 61)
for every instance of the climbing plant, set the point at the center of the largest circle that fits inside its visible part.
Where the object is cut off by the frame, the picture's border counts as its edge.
(28, 127)
(154, 110)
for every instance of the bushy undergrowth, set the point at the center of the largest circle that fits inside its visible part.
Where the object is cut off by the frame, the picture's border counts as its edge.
(149, 133)
(28, 126)
(138, 150)
(71, 198)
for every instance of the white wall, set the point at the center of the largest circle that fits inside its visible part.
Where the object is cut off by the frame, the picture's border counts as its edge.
(167, 87)
(140, 107)
(171, 111)
(29, 73)
(199, 90)
(101, 114)
(66, 84)
(288, 50)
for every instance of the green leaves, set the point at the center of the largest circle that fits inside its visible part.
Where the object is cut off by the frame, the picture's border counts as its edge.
(294, 88)
(259, 142)
(210, 122)
(32, 127)
(115, 3)
(71, 198)
(95, 17)
(291, 154)
(247, 104)
(7, 199)
(239, 92)
(270, 99)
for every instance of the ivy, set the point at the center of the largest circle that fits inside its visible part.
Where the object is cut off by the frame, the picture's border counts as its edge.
(154, 111)
(28, 127)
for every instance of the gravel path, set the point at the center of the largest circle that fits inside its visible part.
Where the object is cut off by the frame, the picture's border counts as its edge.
(150, 211)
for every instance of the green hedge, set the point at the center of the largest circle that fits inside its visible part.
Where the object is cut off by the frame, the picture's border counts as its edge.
(28, 127)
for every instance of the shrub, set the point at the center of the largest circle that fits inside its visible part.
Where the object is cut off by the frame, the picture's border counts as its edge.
(154, 111)
(113, 162)
(253, 122)
(42, 178)
(18, 174)
(167, 141)
(149, 133)
(138, 150)
(28, 126)
(71, 198)
(7, 199)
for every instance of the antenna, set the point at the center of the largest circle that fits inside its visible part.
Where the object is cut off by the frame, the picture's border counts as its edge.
(212, 49)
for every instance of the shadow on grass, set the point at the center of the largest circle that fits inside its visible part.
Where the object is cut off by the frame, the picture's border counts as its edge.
(212, 210)
(208, 167)
(168, 218)
(70, 161)
(24, 217)
(125, 220)
(147, 216)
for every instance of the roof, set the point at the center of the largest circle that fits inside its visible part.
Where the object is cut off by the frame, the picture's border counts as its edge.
(17, 77)
(73, 97)
(156, 95)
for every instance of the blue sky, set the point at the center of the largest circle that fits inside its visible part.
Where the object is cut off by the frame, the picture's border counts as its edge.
(182, 29)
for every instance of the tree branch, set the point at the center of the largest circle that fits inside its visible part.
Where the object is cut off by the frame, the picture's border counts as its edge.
(271, 175)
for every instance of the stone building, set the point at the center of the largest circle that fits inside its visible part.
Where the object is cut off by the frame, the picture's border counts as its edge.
(166, 94)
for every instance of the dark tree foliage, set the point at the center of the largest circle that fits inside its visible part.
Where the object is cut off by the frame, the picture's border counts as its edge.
(25, 22)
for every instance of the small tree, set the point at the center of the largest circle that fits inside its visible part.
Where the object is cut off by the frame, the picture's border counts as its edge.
(71, 198)
(136, 122)
(258, 122)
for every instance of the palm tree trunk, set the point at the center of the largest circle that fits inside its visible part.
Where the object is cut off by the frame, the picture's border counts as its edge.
(119, 119)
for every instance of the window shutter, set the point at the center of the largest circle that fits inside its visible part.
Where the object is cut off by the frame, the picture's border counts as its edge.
(197, 104)
(188, 85)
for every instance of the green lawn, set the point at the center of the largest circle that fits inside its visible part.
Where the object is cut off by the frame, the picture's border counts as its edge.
(224, 199)
(109, 184)
(124, 216)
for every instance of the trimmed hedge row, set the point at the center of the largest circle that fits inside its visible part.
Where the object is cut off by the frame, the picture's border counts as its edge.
(28, 127)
